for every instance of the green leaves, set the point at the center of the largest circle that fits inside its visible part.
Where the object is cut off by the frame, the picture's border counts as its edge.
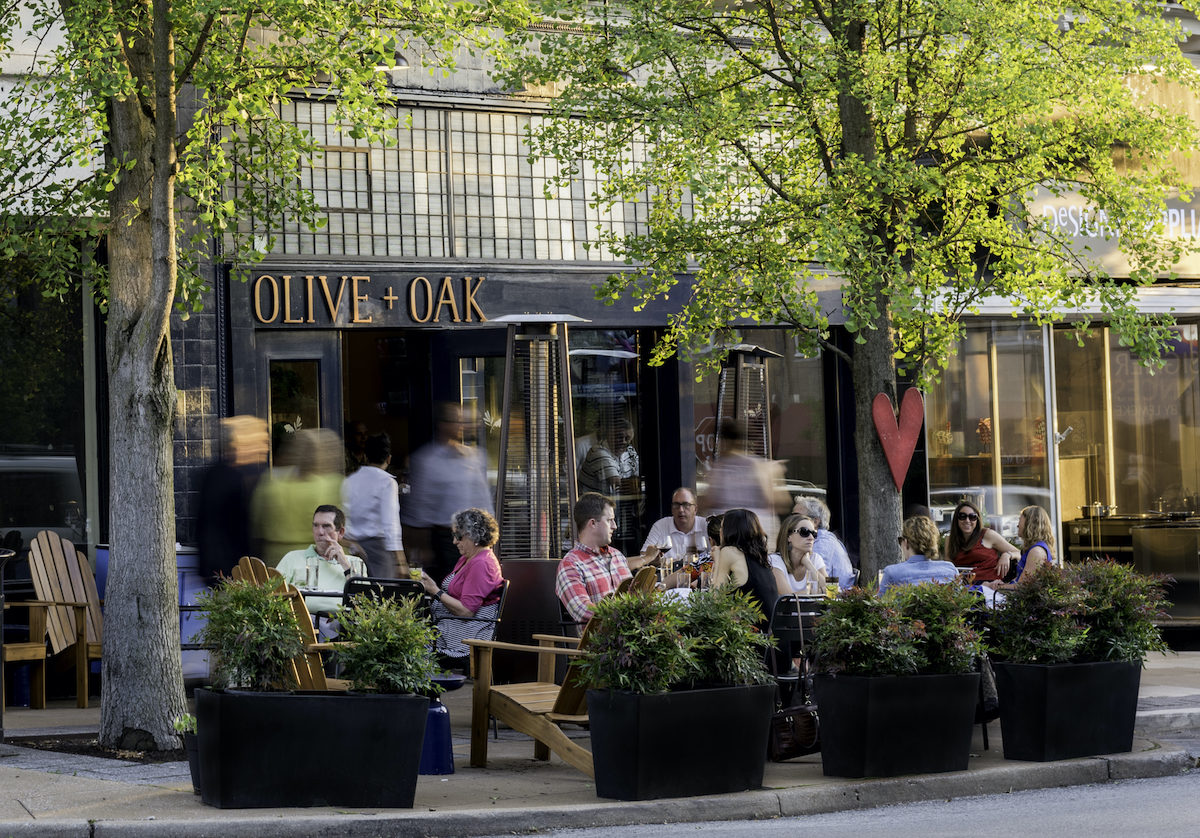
(645, 642)
(389, 646)
(253, 633)
(895, 150)
(1040, 621)
(636, 643)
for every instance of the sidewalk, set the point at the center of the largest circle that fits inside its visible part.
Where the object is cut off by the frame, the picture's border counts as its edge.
(51, 794)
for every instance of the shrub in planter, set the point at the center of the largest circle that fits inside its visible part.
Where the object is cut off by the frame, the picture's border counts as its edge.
(253, 634)
(726, 647)
(1072, 642)
(256, 747)
(896, 693)
(642, 657)
(389, 647)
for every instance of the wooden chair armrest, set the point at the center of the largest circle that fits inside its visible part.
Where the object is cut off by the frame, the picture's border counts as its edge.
(43, 603)
(324, 647)
(519, 647)
(557, 638)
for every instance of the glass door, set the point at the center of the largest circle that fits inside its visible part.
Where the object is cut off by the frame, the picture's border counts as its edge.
(298, 383)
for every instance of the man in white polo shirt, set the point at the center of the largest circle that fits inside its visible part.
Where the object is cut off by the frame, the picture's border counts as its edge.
(679, 529)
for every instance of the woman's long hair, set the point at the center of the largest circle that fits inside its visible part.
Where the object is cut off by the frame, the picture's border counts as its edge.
(955, 542)
(740, 528)
(782, 544)
(1037, 528)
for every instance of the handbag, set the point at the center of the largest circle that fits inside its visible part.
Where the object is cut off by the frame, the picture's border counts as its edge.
(795, 731)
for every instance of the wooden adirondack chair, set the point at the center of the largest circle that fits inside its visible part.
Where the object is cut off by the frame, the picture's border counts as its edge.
(63, 581)
(308, 668)
(32, 651)
(538, 708)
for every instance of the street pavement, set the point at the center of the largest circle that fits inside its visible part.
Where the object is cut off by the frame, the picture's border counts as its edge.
(50, 794)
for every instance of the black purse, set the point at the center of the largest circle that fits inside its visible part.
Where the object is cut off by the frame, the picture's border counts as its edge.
(795, 731)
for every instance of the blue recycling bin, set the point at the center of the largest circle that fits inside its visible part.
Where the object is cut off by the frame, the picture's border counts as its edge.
(191, 585)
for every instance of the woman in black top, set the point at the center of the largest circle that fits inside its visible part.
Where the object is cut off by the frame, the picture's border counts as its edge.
(740, 529)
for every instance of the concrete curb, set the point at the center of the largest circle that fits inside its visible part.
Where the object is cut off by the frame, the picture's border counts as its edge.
(764, 804)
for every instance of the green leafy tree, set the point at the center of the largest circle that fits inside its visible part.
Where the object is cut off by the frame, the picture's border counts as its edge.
(891, 147)
(123, 127)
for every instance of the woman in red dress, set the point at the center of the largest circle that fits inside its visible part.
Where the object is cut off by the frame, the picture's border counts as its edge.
(972, 544)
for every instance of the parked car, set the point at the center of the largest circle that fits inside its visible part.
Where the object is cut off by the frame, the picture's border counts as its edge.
(38, 492)
(1002, 516)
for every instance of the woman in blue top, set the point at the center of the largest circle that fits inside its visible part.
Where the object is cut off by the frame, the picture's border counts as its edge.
(919, 543)
(1037, 537)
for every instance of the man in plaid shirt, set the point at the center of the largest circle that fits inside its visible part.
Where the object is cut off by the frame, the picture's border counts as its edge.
(593, 569)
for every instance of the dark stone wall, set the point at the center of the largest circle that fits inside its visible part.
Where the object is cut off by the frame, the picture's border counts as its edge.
(198, 349)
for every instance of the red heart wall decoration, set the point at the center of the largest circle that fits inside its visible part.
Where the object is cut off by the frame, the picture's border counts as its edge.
(899, 439)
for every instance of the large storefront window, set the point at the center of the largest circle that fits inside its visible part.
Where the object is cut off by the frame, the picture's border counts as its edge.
(1129, 433)
(605, 405)
(986, 426)
(796, 410)
(42, 463)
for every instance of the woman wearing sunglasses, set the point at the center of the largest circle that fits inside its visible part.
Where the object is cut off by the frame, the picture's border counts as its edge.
(800, 565)
(920, 546)
(972, 544)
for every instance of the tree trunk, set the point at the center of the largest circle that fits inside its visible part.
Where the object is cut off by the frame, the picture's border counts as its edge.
(879, 512)
(142, 670)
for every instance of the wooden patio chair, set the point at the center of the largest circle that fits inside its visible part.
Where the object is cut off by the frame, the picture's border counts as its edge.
(643, 580)
(63, 581)
(32, 651)
(308, 667)
(538, 708)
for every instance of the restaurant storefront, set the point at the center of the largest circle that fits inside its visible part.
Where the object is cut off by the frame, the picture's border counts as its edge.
(313, 345)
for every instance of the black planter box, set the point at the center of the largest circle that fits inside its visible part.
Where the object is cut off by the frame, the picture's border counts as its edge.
(331, 749)
(891, 725)
(1067, 710)
(679, 744)
(191, 746)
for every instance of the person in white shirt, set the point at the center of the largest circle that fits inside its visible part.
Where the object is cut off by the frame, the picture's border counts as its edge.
(679, 529)
(372, 502)
(800, 566)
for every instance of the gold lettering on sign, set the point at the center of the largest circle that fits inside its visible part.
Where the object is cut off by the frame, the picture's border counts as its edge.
(258, 312)
(412, 300)
(358, 298)
(332, 305)
(469, 297)
(446, 297)
(308, 299)
(287, 302)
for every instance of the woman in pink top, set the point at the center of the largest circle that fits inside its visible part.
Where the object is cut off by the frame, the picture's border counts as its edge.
(468, 600)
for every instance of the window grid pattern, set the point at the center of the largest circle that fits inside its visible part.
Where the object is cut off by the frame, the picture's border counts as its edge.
(400, 201)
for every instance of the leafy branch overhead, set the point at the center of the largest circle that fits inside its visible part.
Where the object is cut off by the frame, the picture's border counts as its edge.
(895, 146)
(234, 68)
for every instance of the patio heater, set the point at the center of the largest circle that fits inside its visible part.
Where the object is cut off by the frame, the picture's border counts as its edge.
(535, 485)
(743, 395)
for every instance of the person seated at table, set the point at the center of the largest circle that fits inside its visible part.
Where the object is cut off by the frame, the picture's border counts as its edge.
(1037, 533)
(593, 568)
(973, 544)
(742, 561)
(827, 545)
(323, 565)
(673, 534)
(919, 543)
(470, 590)
(799, 565)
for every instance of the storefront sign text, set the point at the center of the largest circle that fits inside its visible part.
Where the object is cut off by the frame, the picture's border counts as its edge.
(311, 299)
